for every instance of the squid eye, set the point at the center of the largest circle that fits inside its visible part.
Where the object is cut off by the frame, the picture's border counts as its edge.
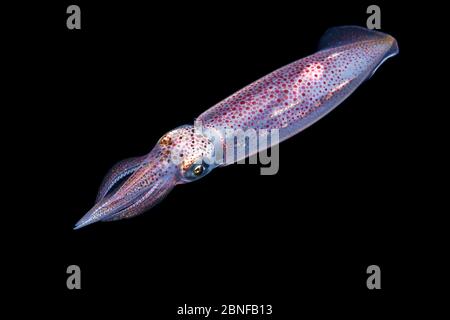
(198, 170)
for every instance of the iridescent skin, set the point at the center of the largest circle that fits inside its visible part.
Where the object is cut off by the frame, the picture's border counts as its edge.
(289, 99)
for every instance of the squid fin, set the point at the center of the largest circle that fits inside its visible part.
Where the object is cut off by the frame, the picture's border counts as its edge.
(341, 36)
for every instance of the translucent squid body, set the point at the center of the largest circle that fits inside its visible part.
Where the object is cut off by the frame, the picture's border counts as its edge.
(288, 99)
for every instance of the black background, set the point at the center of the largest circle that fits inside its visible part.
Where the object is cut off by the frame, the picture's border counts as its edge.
(347, 195)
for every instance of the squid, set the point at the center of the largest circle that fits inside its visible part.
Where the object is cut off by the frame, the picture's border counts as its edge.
(289, 100)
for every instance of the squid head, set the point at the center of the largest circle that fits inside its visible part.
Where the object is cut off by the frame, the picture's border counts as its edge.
(135, 185)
